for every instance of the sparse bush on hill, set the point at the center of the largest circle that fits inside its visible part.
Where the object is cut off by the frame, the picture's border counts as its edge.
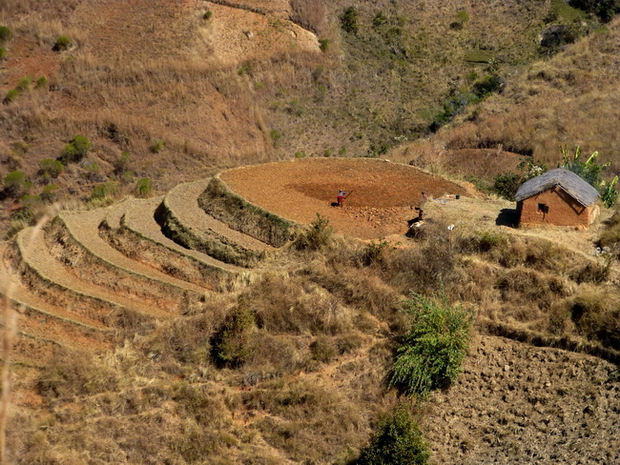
(317, 236)
(62, 43)
(10, 96)
(5, 34)
(592, 172)
(50, 168)
(144, 187)
(233, 344)
(16, 184)
(431, 354)
(397, 441)
(75, 150)
(349, 20)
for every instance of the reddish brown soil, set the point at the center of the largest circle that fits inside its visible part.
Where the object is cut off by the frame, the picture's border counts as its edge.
(383, 195)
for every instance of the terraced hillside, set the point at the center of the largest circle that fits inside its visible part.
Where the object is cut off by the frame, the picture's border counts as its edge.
(92, 278)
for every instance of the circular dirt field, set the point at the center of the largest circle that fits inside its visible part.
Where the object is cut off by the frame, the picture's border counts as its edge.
(383, 195)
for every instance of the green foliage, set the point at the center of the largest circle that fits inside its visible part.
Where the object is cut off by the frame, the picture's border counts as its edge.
(50, 168)
(10, 96)
(207, 16)
(431, 354)
(41, 82)
(49, 193)
(144, 187)
(275, 137)
(374, 252)
(16, 184)
(507, 184)
(462, 17)
(75, 150)
(604, 9)
(317, 236)
(609, 193)
(2, 53)
(398, 441)
(300, 155)
(348, 20)
(157, 145)
(592, 172)
(323, 44)
(24, 84)
(232, 344)
(62, 43)
(104, 191)
(5, 34)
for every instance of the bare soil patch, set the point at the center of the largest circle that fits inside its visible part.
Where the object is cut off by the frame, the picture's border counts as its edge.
(383, 195)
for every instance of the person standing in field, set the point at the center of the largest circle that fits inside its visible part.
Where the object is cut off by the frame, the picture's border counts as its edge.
(341, 196)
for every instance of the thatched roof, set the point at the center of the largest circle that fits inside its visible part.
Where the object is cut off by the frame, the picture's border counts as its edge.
(568, 181)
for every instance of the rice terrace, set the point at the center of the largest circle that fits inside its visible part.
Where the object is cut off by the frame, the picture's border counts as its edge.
(291, 232)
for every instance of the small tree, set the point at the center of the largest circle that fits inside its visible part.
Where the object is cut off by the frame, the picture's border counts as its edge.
(75, 150)
(348, 20)
(398, 441)
(16, 185)
(433, 350)
(232, 344)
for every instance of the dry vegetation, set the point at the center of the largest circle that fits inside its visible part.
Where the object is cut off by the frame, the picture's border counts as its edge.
(291, 364)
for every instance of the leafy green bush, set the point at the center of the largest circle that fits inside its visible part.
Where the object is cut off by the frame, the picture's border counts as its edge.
(16, 184)
(507, 184)
(431, 354)
(232, 344)
(592, 172)
(49, 192)
(50, 168)
(104, 191)
(24, 83)
(207, 15)
(157, 146)
(144, 187)
(462, 17)
(317, 236)
(323, 44)
(41, 82)
(398, 441)
(62, 43)
(75, 150)
(275, 137)
(2, 53)
(348, 20)
(10, 96)
(5, 34)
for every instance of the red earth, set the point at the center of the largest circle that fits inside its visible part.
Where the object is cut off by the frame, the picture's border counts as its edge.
(382, 195)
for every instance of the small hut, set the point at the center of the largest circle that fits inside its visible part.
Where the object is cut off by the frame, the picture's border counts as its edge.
(558, 197)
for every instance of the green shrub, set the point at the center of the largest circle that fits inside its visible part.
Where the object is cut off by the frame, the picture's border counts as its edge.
(104, 191)
(16, 184)
(398, 441)
(62, 43)
(323, 44)
(507, 184)
(49, 192)
(207, 15)
(462, 17)
(2, 53)
(144, 187)
(275, 137)
(157, 145)
(24, 84)
(431, 354)
(75, 150)
(41, 82)
(232, 344)
(323, 349)
(317, 236)
(10, 96)
(5, 34)
(348, 20)
(50, 168)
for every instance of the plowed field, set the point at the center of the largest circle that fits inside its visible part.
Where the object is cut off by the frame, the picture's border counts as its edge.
(382, 195)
